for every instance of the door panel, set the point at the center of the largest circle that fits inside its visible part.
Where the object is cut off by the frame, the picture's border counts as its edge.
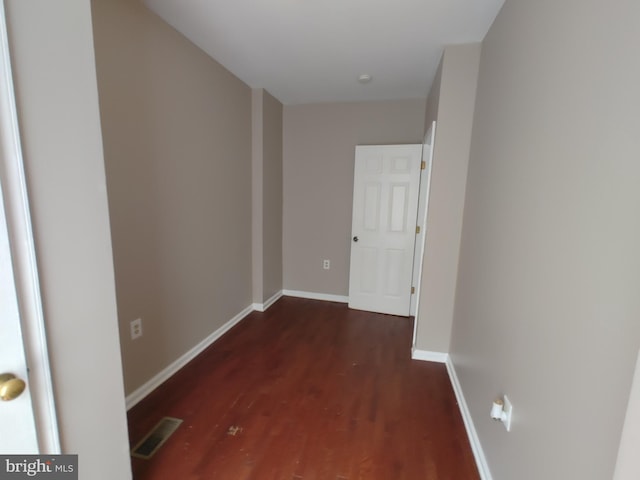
(28, 423)
(17, 424)
(385, 202)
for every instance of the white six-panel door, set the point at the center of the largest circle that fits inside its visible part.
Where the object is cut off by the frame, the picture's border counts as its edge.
(385, 202)
(17, 424)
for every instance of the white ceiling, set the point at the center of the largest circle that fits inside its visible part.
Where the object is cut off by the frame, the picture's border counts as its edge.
(305, 51)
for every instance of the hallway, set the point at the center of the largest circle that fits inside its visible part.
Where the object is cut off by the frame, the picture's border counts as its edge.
(308, 390)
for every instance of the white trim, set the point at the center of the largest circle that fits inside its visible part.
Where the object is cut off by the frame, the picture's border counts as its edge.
(474, 440)
(316, 296)
(262, 307)
(427, 356)
(24, 257)
(429, 139)
(170, 370)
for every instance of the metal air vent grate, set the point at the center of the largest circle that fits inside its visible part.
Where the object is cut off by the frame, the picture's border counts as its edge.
(156, 438)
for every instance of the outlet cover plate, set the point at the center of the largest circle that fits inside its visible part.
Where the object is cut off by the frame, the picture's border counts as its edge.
(136, 328)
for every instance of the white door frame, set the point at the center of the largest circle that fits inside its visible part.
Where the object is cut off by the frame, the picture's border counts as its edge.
(427, 157)
(628, 463)
(24, 256)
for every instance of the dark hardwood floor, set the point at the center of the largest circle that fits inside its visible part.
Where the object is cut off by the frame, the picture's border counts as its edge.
(312, 390)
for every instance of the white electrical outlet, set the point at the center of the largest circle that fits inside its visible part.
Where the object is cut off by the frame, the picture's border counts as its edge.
(326, 264)
(508, 411)
(136, 328)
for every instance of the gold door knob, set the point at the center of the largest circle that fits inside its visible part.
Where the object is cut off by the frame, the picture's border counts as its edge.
(10, 387)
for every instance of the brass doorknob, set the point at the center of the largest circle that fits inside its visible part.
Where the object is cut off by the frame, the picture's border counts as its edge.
(10, 387)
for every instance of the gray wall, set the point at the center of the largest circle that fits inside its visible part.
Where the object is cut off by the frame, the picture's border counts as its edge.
(451, 103)
(267, 195)
(319, 151)
(272, 196)
(177, 144)
(433, 98)
(54, 73)
(547, 303)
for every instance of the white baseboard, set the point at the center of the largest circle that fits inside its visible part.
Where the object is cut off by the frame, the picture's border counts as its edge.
(476, 447)
(427, 356)
(262, 307)
(141, 392)
(316, 296)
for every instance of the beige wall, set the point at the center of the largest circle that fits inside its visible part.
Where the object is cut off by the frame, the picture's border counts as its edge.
(57, 99)
(547, 304)
(267, 195)
(451, 103)
(272, 196)
(177, 143)
(319, 149)
(257, 160)
(433, 99)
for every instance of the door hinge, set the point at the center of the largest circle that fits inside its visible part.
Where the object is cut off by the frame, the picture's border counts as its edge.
(413, 290)
(418, 229)
(423, 165)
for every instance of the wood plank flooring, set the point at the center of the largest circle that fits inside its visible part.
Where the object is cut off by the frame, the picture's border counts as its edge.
(308, 390)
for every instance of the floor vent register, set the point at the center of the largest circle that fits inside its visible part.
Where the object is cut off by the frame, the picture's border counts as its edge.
(156, 438)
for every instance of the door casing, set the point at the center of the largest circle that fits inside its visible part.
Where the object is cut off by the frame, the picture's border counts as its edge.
(423, 213)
